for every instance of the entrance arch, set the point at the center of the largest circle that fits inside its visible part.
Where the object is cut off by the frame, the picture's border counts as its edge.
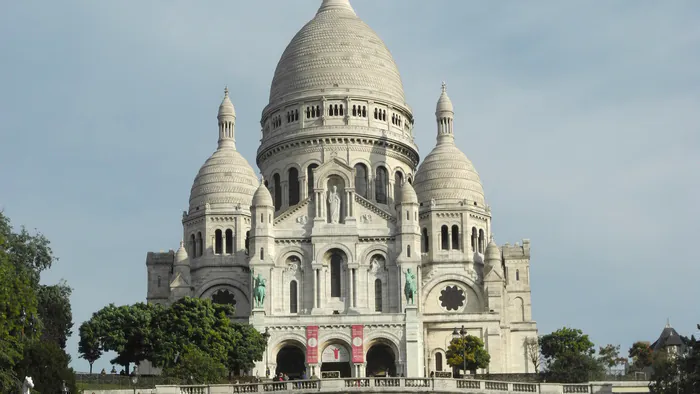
(381, 361)
(336, 357)
(291, 361)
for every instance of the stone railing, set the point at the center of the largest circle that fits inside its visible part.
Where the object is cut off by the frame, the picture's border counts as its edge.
(396, 385)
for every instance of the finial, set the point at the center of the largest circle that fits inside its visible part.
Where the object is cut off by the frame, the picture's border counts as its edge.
(668, 322)
(182, 243)
(226, 90)
(444, 87)
(262, 179)
(491, 238)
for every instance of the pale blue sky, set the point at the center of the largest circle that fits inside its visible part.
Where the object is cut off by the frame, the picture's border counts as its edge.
(582, 118)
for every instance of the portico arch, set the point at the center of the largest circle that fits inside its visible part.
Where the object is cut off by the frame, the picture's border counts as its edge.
(336, 356)
(290, 358)
(383, 357)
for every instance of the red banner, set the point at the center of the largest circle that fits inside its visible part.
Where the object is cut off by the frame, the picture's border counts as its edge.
(358, 341)
(312, 344)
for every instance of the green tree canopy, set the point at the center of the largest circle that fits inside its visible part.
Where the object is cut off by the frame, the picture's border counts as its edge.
(568, 355)
(641, 355)
(47, 363)
(470, 348)
(194, 366)
(609, 356)
(55, 313)
(89, 347)
(249, 348)
(193, 322)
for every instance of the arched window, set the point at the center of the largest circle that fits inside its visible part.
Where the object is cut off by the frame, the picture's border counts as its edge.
(517, 275)
(293, 178)
(455, 237)
(278, 191)
(218, 242)
(481, 241)
(398, 182)
(425, 245)
(364, 111)
(200, 245)
(438, 361)
(159, 279)
(229, 241)
(354, 110)
(475, 238)
(378, 295)
(262, 253)
(445, 237)
(335, 274)
(310, 178)
(376, 113)
(408, 250)
(193, 246)
(293, 302)
(380, 185)
(308, 112)
(247, 242)
(361, 180)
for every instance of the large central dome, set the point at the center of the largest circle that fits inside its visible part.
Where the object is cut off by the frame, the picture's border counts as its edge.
(336, 50)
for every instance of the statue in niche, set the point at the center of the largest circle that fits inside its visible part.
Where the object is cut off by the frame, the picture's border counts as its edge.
(410, 287)
(259, 290)
(334, 205)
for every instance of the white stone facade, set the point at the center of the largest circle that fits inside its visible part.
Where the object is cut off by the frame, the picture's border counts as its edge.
(337, 120)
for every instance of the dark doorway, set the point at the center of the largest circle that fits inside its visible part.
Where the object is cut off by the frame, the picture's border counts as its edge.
(381, 361)
(290, 360)
(343, 368)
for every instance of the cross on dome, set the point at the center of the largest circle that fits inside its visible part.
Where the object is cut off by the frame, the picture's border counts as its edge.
(226, 90)
(444, 87)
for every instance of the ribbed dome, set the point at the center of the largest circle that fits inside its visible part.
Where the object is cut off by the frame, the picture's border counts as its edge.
(181, 254)
(225, 180)
(262, 197)
(447, 174)
(492, 252)
(336, 50)
(226, 107)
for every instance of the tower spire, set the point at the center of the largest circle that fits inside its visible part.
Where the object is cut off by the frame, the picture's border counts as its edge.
(444, 113)
(327, 5)
(227, 122)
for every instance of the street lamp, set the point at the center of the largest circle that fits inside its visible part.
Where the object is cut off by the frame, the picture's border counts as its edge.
(266, 335)
(462, 333)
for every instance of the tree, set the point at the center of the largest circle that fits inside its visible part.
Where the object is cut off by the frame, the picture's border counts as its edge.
(89, 346)
(55, 313)
(568, 356)
(609, 356)
(195, 366)
(122, 329)
(471, 348)
(18, 304)
(641, 355)
(250, 347)
(193, 322)
(47, 364)
(532, 351)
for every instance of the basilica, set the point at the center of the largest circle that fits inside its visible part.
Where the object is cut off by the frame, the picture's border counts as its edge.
(349, 253)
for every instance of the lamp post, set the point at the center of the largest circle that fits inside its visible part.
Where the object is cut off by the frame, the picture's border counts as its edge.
(461, 334)
(266, 335)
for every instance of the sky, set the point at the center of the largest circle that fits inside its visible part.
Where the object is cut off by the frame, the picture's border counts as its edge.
(583, 122)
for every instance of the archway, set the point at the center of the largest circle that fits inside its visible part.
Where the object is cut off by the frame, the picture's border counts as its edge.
(336, 358)
(290, 361)
(381, 361)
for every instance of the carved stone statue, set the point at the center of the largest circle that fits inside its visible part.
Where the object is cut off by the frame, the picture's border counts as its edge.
(334, 205)
(410, 287)
(433, 203)
(259, 291)
(27, 385)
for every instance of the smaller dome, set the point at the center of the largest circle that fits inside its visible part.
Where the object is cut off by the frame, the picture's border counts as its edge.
(181, 254)
(408, 194)
(226, 107)
(492, 251)
(444, 103)
(262, 197)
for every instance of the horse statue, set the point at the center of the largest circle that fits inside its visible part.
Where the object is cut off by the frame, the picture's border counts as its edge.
(259, 291)
(27, 385)
(410, 287)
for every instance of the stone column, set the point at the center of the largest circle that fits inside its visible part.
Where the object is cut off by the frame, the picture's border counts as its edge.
(285, 194)
(351, 288)
(304, 188)
(315, 303)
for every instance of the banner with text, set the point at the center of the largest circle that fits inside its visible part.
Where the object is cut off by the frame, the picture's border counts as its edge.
(358, 340)
(312, 344)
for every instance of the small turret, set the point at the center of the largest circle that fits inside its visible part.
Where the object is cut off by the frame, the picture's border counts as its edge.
(182, 261)
(407, 212)
(180, 286)
(227, 122)
(262, 213)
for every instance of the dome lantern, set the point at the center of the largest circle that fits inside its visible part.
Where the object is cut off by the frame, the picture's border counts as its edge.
(227, 122)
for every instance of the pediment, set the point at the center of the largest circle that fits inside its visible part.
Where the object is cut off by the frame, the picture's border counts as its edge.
(334, 166)
(296, 217)
(493, 274)
(179, 281)
(368, 214)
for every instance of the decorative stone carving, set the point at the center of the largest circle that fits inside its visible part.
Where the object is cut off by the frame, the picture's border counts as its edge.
(238, 206)
(375, 265)
(259, 290)
(366, 218)
(184, 214)
(410, 287)
(433, 203)
(303, 219)
(334, 205)
(207, 206)
(452, 298)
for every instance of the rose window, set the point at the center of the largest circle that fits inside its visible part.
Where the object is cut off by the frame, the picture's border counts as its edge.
(223, 297)
(452, 298)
